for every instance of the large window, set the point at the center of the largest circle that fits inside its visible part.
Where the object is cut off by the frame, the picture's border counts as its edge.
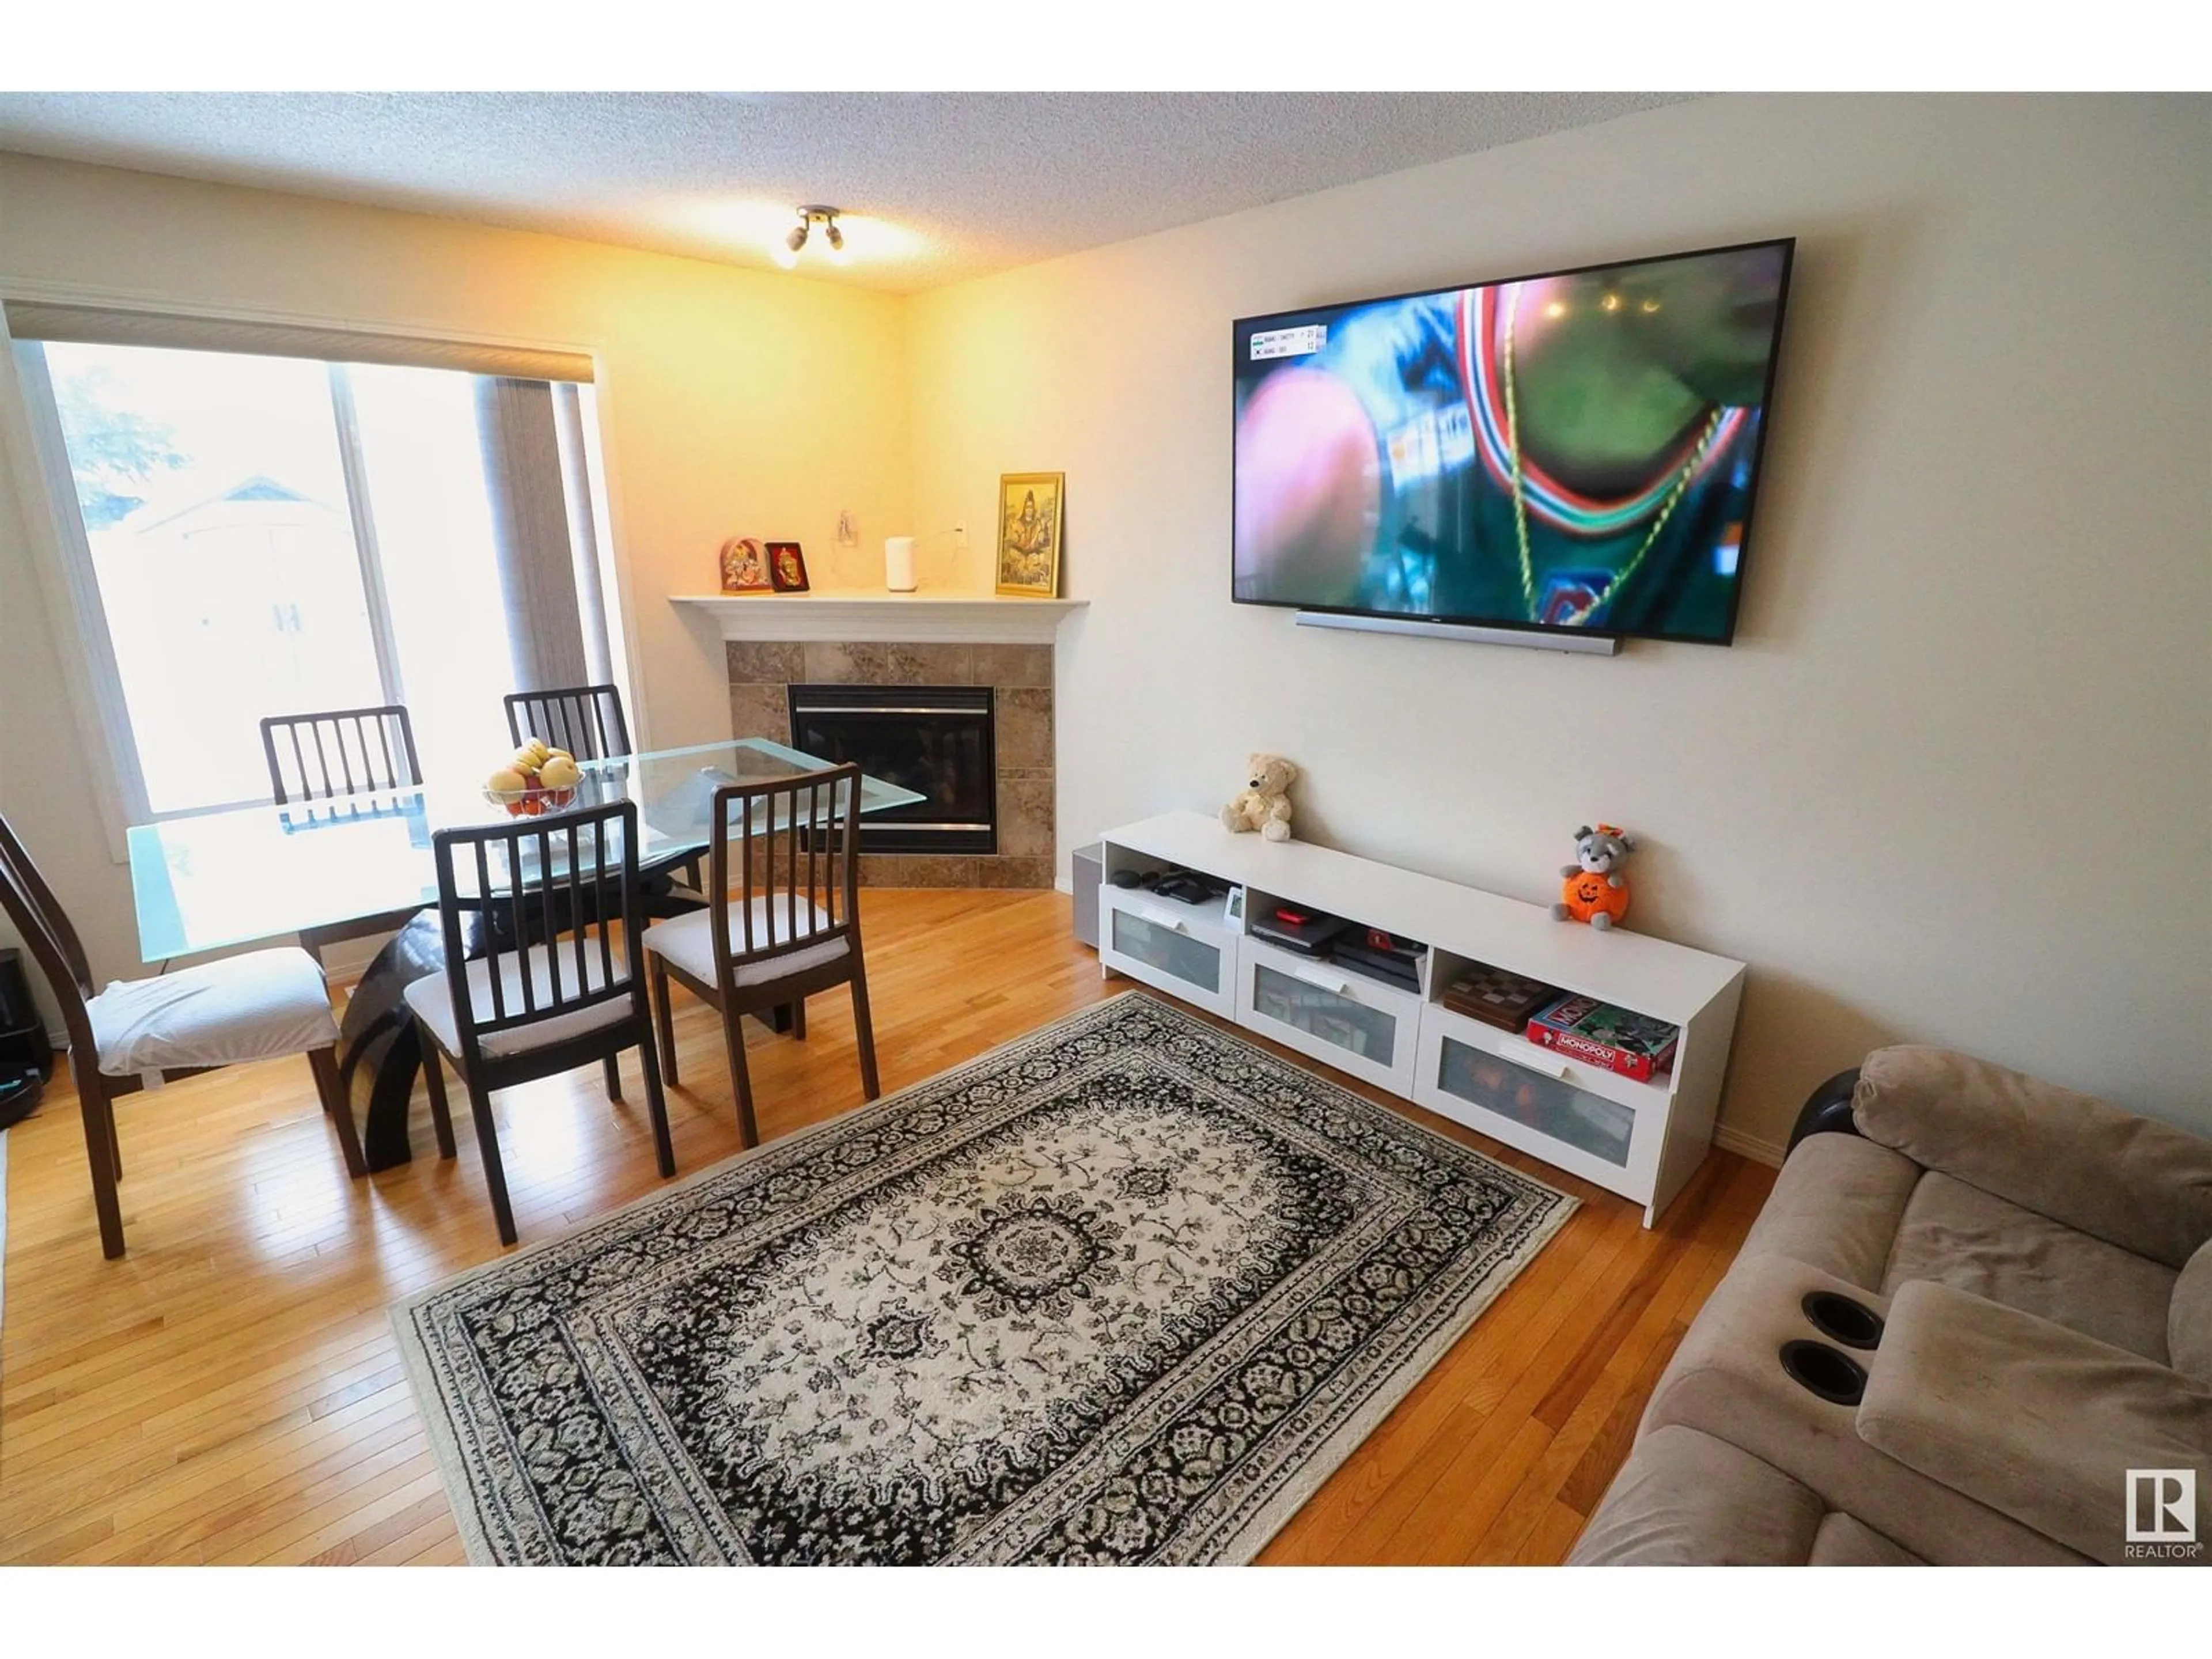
(277, 534)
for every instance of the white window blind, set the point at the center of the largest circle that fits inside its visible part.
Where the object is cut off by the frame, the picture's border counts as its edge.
(35, 320)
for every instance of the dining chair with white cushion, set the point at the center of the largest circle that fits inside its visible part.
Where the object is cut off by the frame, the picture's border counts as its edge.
(785, 861)
(537, 915)
(135, 1034)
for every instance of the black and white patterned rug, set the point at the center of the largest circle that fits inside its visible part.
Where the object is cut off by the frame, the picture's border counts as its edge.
(1125, 1290)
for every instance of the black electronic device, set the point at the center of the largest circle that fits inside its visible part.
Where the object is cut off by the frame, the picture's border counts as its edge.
(1403, 982)
(1399, 965)
(23, 1040)
(20, 1087)
(1306, 932)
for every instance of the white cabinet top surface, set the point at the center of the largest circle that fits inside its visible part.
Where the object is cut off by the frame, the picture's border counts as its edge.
(1634, 971)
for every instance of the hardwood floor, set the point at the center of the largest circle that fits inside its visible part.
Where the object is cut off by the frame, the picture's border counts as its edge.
(229, 1391)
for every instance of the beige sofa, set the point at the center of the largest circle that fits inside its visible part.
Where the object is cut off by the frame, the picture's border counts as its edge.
(1995, 1301)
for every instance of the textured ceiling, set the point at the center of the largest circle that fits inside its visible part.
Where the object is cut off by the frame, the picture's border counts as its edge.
(937, 187)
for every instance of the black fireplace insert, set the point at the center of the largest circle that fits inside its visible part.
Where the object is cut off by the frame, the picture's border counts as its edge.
(934, 739)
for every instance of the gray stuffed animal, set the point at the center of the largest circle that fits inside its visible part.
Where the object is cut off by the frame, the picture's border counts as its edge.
(1595, 892)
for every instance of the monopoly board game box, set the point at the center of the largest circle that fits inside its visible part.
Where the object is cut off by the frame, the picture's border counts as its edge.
(1585, 1029)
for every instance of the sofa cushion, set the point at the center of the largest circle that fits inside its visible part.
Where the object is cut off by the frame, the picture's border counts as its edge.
(1685, 1499)
(2133, 1182)
(2038, 1422)
(1844, 1540)
(2189, 1320)
(1836, 1206)
(1727, 1380)
(1959, 1236)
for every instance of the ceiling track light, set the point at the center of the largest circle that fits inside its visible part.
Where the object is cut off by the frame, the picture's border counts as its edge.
(810, 215)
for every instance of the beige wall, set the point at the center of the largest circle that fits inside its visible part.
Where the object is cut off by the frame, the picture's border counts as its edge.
(731, 403)
(1949, 785)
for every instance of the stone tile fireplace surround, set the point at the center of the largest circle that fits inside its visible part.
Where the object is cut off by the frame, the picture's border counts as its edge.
(762, 671)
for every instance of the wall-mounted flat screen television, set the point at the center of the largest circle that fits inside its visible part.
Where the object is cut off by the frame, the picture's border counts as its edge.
(1576, 451)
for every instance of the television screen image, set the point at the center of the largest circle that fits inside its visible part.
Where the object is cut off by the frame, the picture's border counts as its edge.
(1576, 451)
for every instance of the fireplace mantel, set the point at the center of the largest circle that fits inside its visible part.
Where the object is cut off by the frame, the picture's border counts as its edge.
(884, 618)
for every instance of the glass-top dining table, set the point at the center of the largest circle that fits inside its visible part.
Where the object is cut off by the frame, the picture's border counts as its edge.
(206, 881)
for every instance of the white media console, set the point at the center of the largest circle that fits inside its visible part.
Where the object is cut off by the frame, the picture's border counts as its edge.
(1640, 1140)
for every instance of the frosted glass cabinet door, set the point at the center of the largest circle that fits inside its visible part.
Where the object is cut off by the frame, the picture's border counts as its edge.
(1601, 1129)
(1189, 957)
(1339, 1016)
(1463, 1073)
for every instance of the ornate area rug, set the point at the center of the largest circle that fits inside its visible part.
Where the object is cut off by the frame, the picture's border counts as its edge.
(1125, 1290)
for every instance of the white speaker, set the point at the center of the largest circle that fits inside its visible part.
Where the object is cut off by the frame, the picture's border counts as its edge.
(898, 564)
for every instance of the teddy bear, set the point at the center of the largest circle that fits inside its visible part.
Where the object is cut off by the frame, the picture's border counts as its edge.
(1264, 802)
(1595, 890)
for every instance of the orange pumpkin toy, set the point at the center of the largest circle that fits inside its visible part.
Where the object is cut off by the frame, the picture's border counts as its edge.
(1595, 890)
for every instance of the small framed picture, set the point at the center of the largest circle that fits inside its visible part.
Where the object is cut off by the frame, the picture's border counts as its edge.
(1029, 533)
(745, 566)
(786, 567)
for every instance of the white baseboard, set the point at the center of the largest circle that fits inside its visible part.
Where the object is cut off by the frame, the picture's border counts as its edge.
(1751, 1147)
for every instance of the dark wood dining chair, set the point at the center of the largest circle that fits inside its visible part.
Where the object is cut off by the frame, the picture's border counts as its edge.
(586, 720)
(520, 1010)
(339, 752)
(332, 754)
(265, 1004)
(784, 866)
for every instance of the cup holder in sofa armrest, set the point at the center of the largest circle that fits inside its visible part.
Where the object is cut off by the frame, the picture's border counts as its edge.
(1820, 1369)
(1842, 1320)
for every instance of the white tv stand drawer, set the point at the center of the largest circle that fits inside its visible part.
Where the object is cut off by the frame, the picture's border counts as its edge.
(1526, 1096)
(1187, 950)
(1643, 1140)
(1351, 1022)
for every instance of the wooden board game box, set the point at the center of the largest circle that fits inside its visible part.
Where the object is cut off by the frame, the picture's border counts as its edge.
(1496, 997)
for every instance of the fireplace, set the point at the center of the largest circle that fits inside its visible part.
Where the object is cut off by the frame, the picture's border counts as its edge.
(936, 740)
(1017, 679)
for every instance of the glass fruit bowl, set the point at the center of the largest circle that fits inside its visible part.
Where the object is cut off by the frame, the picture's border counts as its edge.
(533, 800)
(539, 778)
